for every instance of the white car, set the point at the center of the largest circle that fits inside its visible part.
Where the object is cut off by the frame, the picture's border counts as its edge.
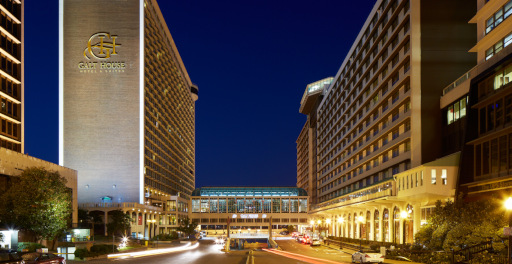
(367, 257)
(316, 242)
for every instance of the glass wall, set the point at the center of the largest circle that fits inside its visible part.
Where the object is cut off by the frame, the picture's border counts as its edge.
(285, 205)
(222, 206)
(196, 206)
(267, 206)
(276, 205)
(204, 206)
(213, 205)
(294, 205)
(240, 205)
(231, 205)
(303, 205)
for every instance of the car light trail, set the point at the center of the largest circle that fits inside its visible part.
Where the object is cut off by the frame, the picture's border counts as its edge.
(301, 257)
(152, 252)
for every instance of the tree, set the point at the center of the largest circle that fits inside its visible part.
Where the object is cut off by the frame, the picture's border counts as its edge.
(186, 226)
(290, 228)
(119, 222)
(460, 224)
(38, 201)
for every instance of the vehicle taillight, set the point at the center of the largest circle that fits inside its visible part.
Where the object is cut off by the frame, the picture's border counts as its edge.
(366, 256)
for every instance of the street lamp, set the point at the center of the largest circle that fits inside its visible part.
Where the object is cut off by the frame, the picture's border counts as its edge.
(360, 219)
(508, 206)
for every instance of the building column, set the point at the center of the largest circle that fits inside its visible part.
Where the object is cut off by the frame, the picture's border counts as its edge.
(381, 226)
(105, 224)
(416, 218)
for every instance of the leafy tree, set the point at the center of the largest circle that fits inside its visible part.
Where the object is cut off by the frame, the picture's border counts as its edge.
(186, 226)
(290, 228)
(38, 201)
(460, 224)
(119, 222)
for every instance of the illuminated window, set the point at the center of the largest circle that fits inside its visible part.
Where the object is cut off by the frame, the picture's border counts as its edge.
(433, 175)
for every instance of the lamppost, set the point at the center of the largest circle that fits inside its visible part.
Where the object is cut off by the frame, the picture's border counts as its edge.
(403, 215)
(360, 219)
(508, 206)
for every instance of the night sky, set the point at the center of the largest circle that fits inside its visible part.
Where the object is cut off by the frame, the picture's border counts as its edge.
(251, 61)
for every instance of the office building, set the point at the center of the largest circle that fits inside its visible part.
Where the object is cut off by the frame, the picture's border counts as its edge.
(249, 209)
(380, 163)
(127, 110)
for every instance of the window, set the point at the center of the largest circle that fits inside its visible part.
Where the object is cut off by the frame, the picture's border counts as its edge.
(433, 175)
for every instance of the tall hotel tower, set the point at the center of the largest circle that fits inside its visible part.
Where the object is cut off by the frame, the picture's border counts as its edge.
(127, 108)
(11, 76)
(379, 125)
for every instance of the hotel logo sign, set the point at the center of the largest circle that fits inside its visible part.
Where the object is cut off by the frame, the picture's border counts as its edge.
(101, 46)
(102, 49)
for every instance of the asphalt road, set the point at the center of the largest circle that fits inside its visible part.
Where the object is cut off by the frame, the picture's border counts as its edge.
(206, 253)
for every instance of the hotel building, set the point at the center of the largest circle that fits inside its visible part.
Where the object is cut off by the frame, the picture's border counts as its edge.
(379, 155)
(248, 209)
(127, 112)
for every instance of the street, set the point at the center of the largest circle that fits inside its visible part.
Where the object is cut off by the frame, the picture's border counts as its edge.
(209, 253)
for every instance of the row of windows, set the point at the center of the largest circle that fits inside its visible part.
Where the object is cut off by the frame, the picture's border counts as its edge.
(498, 17)
(498, 46)
(258, 205)
(457, 110)
(493, 156)
(495, 82)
